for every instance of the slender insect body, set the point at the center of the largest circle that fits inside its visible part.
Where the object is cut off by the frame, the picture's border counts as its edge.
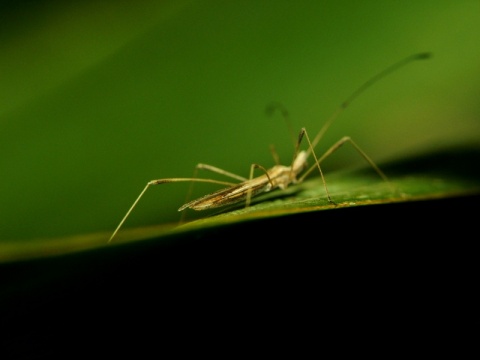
(230, 195)
(279, 176)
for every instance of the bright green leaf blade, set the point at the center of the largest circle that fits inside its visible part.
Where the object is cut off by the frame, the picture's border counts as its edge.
(453, 173)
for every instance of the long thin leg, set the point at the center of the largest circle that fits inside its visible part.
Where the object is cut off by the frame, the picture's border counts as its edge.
(303, 132)
(219, 171)
(335, 147)
(163, 181)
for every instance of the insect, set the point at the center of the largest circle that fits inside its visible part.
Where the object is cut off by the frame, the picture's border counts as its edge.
(279, 176)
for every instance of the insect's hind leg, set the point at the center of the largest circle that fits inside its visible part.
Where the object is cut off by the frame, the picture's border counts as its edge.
(164, 181)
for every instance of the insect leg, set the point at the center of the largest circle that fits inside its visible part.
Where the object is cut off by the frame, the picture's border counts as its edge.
(163, 181)
(249, 191)
(336, 146)
(303, 133)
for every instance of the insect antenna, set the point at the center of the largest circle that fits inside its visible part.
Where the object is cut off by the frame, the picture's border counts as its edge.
(362, 88)
(270, 110)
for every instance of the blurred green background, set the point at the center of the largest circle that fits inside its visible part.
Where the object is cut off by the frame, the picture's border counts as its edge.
(99, 97)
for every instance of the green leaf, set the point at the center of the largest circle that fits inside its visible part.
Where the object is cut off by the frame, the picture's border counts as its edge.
(431, 177)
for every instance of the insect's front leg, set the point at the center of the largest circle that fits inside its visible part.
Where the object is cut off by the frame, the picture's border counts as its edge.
(362, 153)
(298, 167)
